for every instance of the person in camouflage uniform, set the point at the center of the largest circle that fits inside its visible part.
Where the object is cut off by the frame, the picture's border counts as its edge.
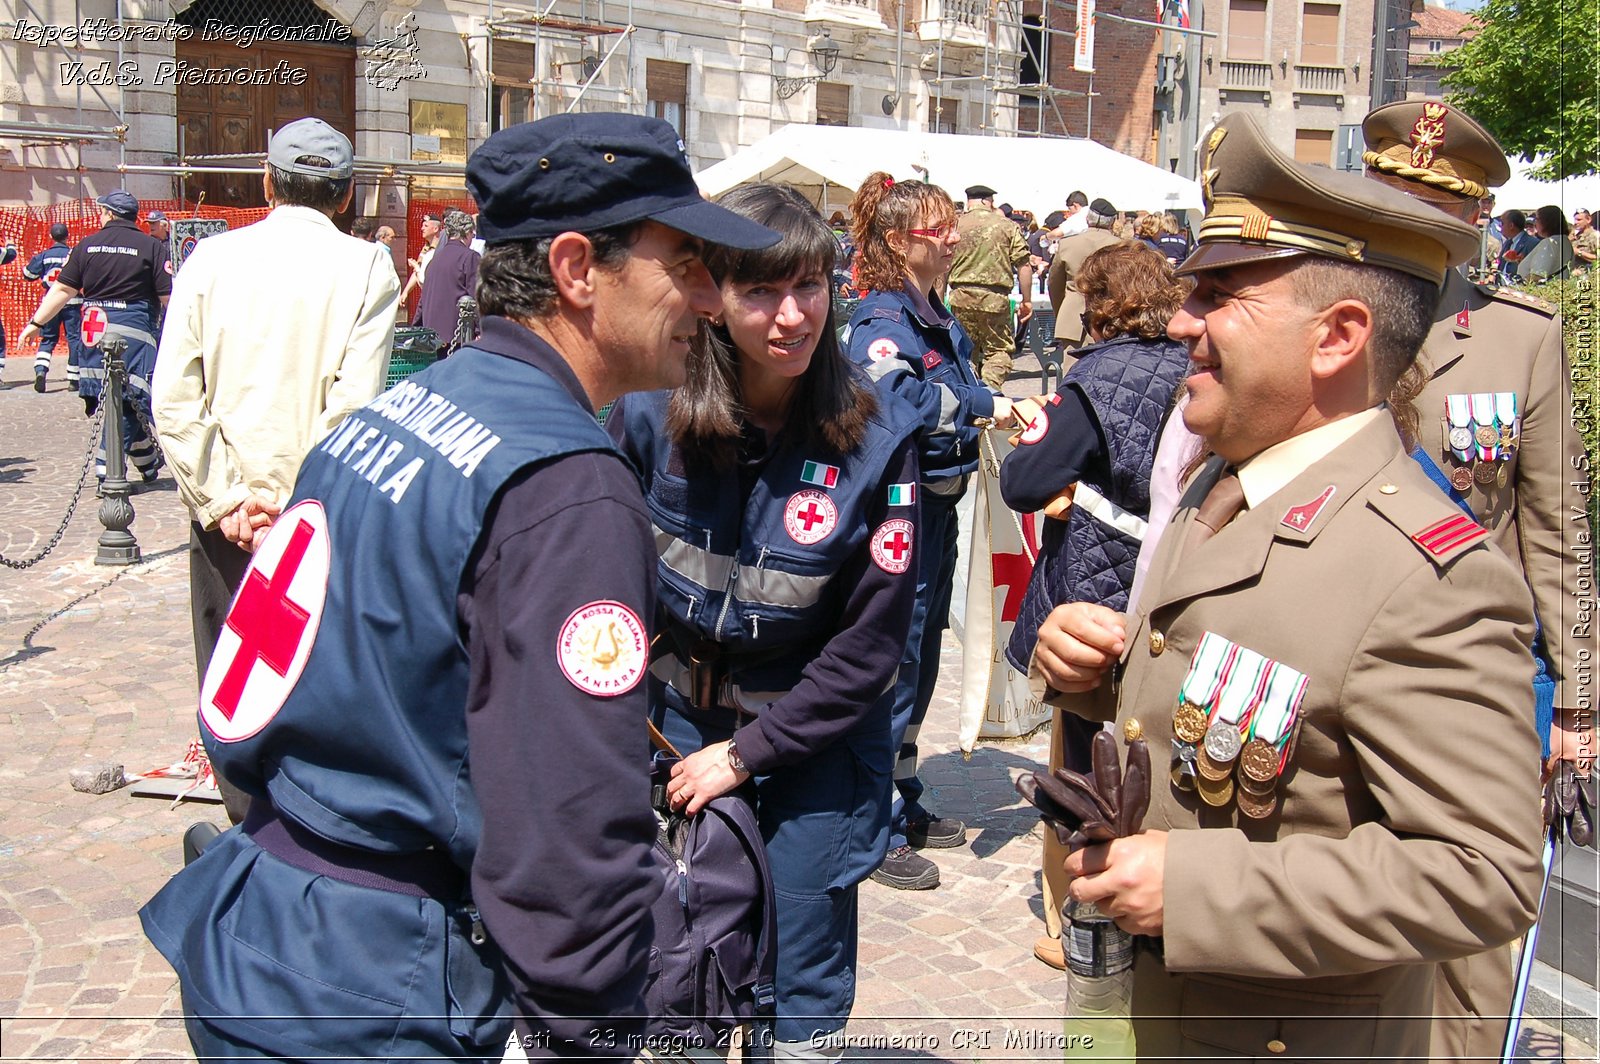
(991, 250)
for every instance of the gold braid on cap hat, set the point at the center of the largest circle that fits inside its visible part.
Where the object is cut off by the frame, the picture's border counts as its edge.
(1397, 161)
(1422, 160)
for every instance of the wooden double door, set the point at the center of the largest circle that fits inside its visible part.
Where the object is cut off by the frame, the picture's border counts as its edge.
(229, 118)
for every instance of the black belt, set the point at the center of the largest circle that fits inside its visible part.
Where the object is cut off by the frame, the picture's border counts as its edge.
(709, 661)
(426, 874)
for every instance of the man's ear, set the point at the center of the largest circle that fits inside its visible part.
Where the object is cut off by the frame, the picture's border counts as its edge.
(266, 185)
(1343, 333)
(349, 194)
(572, 267)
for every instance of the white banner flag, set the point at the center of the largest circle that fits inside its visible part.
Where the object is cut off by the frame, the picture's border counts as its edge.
(1083, 44)
(995, 703)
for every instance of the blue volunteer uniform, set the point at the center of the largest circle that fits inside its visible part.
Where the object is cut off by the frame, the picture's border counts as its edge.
(916, 350)
(790, 582)
(431, 684)
(45, 267)
(125, 272)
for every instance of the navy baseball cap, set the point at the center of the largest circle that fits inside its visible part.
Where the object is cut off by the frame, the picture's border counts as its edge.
(155, 216)
(120, 203)
(581, 172)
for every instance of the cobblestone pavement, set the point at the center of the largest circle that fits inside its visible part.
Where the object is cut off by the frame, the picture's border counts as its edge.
(111, 677)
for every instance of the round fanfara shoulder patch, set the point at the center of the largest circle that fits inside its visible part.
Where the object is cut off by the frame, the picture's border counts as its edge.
(1035, 429)
(891, 546)
(882, 349)
(809, 517)
(603, 648)
(270, 628)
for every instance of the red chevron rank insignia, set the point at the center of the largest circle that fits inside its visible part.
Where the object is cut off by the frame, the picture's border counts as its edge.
(1444, 536)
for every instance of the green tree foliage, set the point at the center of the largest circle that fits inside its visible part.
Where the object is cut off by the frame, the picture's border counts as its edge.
(1532, 77)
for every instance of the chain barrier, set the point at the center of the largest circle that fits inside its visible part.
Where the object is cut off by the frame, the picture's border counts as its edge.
(77, 494)
(139, 569)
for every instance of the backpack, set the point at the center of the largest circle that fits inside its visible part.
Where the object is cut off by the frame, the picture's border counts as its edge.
(715, 952)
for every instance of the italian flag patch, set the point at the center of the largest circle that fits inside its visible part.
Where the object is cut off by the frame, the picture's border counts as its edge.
(820, 474)
(902, 494)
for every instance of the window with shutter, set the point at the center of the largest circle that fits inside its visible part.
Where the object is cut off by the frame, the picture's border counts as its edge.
(1247, 30)
(1313, 147)
(833, 104)
(666, 89)
(1319, 34)
(511, 70)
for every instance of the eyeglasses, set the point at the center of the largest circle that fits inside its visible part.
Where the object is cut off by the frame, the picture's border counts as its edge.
(938, 232)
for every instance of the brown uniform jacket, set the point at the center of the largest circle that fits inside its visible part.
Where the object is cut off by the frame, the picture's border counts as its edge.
(1407, 830)
(1064, 296)
(1486, 340)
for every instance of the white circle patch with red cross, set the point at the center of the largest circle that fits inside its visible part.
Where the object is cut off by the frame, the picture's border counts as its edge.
(882, 349)
(52, 275)
(891, 546)
(1035, 429)
(809, 517)
(271, 627)
(603, 649)
(92, 326)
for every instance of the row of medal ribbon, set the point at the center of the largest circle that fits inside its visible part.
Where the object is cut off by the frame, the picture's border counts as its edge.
(1480, 432)
(1234, 727)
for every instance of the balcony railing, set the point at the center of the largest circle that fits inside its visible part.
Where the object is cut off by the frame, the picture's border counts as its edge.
(849, 12)
(1329, 79)
(955, 22)
(1237, 75)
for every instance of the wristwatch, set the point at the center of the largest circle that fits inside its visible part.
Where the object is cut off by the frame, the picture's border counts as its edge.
(736, 762)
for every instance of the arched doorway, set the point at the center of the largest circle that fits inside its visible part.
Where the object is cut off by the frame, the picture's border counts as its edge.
(219, 116)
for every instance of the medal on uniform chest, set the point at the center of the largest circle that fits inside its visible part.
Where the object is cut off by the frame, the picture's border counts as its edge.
(1459, 412)
(1183, 772)
(1484, 473)
(1461, 478)
(1505, 409)
(1271, 725)
(1206, 671)
(1241, 689)
(1486, 432)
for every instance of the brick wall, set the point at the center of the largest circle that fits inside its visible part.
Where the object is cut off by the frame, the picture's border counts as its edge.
(1124, 78)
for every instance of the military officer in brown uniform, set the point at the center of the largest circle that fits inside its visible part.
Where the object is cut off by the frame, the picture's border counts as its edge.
(990, 252)
(1064, 296)
(1495, 366)
(1336, 656)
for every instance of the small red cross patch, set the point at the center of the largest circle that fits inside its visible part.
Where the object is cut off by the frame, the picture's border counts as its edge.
(1035, 428)
(879, 350)
(931, 359)
(809, 517)
(270, 628)
(93, 326)
(891, 546)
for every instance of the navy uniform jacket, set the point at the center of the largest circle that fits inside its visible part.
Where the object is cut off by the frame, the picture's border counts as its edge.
(122, 263)
(919, 353)
(472, 688)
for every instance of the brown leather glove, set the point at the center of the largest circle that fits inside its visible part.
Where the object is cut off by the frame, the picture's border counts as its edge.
(1569, 804)
(1082, 811)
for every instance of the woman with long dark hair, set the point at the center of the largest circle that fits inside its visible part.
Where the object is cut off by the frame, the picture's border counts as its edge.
(783, 493)
(909, 343)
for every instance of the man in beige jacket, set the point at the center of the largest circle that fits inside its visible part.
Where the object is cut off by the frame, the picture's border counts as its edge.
(1336, 657)
(273, 334)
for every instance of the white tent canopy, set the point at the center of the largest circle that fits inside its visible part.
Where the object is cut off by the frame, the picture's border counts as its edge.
(1030, 173)
(1524, 193)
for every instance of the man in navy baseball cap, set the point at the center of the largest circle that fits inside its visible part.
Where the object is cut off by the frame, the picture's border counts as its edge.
(593, 171)
(519, 551)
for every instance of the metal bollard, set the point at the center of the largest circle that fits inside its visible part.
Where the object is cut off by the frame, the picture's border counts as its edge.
(117, 545)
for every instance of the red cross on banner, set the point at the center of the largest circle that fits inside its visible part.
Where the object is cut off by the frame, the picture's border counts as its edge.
(272, 624)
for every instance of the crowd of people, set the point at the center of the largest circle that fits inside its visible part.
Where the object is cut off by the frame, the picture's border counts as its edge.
(1304, 486)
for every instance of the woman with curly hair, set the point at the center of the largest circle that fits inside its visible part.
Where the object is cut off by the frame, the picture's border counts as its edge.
(1085, 459)
(908, 341)
(781, 486)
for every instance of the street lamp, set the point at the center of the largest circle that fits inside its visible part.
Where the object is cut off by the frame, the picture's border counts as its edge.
(825, 54)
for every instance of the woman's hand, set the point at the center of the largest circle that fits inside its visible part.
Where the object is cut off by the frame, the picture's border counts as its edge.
(701, 777)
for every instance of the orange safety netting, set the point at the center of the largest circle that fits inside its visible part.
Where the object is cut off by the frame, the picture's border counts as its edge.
(418, 208)
(29, 227)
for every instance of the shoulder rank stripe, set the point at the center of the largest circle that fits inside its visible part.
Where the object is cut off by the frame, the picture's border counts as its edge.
(1452, 532)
